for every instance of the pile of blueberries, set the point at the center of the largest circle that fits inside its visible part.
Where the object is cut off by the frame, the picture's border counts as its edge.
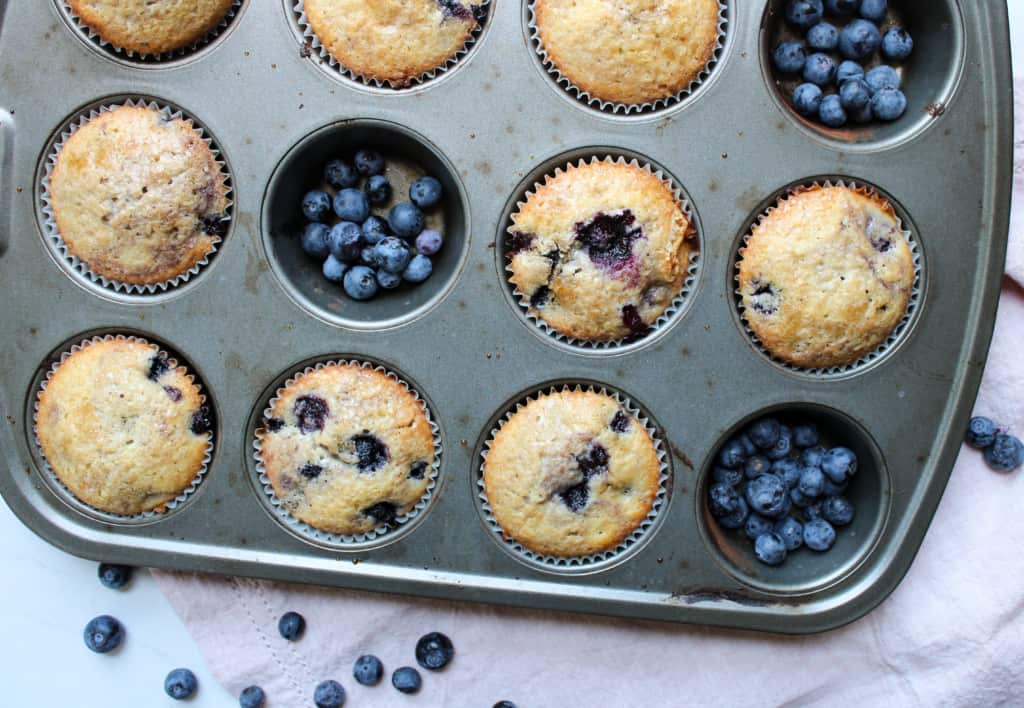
(434, 651)
(782, 488)
(1003, 452)
(861, 96)
(361, 250)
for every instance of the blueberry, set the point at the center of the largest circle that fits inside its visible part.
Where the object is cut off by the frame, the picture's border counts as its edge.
(504, 704)
(757, 525)
(291, 626)
(394, 254)
(725, 476)
(346, 241)
(766, 494)
(881, 77)
(841, 7)
(770, 549)
(369, 257)
(764, 432)
(114, 576)
(252, 697)
(368, 670)
(854, 95)
(351, 205)
(837, 510)
(369, 162)
(873, 9)
(848, 71)
(897, 44)
(756, 466)
(334, 270)
(315, 240)
(807, 99)
(103, 634)
(823, 36)
(789, 469)
(419, 269)
(831, 112)
(819, 535)
(783, 446)
(888, 104)
(799, 499)
(429, 242)
(981, 432)
(831, 489)
(434, 651)
(405, 220)
(1005, 454)
(425, 192)
(387, 279)
(804, 14)
(813, 511)
(316, 205)
(180, 684)
(861, 116)
(812, 482)
(859, 39)
(406, 680)
(723, 499)
(374, 229)
(812, 456)
(839, 464)
(731, 455)
(791, 532)
(805, 435)
(329, 694)
(360, 283)
(341, 175)
(749, 448)
(789, 57)
(819, 69)
(378, 189)
(735, 519)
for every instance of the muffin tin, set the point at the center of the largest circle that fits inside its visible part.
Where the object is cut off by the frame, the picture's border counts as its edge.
(487, 125)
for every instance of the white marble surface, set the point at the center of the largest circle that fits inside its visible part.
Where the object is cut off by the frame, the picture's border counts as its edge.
(48, 596)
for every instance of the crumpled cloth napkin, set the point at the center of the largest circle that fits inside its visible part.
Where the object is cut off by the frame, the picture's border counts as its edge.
(952, 634)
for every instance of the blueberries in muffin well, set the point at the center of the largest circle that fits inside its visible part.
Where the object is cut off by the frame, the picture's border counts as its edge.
(291, 626)
(372, 454)
(874, 9)
(434, 651)
(374, 229)
(831, 112)
(823, 36)
(425, 192)
(849, 70)
(378, 190)
(316, 205)
(859, 39)
(429, 242)
(340, 174)
(819, 535)
(897, 44)
(854, 94)
(394, 254)
(369, 162)
(311, 412)
(841, 7)
(346, 241)
(769, 548)
(764, 432)
(807, 99)
(387, 279)
(419, 269)
(405, 220)
(351, 205)
(880, 77)
(888, 104)
(383, 513)
(608, 238)
(789, 57)
(804, 14)
(360, 283)
(334, 270)
(315, 240)
(103, 634)
(819, 69)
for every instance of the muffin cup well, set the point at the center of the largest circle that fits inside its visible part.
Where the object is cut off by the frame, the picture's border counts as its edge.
(611, 108)
(48, 224)
(576, 564)
(66, 495)
(380, 536)
(93, 38)
(898, 332)
(679, 302)
(297, 11)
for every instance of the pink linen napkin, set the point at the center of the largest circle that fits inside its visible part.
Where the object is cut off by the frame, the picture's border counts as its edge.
(951, 634)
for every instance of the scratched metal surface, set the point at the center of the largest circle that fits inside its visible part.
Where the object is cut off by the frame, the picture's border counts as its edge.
(495, 119)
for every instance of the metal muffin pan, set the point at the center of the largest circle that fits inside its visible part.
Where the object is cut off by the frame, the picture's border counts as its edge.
(492, 121)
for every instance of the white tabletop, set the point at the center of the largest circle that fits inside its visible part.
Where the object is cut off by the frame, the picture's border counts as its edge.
(48, 596)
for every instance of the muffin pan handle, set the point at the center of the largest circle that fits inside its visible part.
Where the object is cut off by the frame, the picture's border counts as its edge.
(7, 189)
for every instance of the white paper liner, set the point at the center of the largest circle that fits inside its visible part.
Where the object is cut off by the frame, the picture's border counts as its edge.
(901, 327)
(625, 109)
(678, 302)
(569, 564)
(103, 45)
(298, 14)
(336, 540)
(49, 223)
(58, 487)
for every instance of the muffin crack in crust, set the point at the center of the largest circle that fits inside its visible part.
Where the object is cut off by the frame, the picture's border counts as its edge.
(151, 26)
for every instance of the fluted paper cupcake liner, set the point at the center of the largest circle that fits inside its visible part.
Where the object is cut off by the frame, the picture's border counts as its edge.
(93, 38)
(58, 487)
(626, 109)
(898, 331)
(675, 308)
(594, 561)
(481, 11)
(404, 523)
(48, 222)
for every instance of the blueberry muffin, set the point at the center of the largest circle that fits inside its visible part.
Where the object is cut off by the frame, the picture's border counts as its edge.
(600, 250)
(138, 198)
(571, 473)
(123, 427)
(347, 449)
(628, 51)
(151, 26)
(826, 276)
(393, 41)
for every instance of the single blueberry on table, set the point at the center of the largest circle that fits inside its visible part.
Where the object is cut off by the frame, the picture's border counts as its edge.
(789, 469)
(387, 280)
(315, 240)
(340, 174)
(823, 36)
(504, 704)
(724, 476)
(847, 71)
(766, 495)
(329, 694)
(841, 7)
(434, 651)
(103, 634)
(360, 283)
(791, 532)
(180, 684)
(819, 535)
(378, 189)
(368, 670)
(757, 465)
(897, 44)
(723, 499)
(1005, 454)
(764, 432)
(874, 9)
(369, 162)
(854, 95)
(291, 626)
(252, 697)
(419, 269)
(316, 205)
(807, 99)
(805, 435)
(374, 229)
(757, 525)
(783, 446)
(333, 269)
(429, 242)
(812, 482)
(731, 455)
(394, 254)
(859, 39)
(407, 680)
(352, 205)
(981, 432)
(425, 192)
(819, 69)
(735, 519)
(882, 76)
(888, 104)
(789, 57)
(346, 241)
(839, 464)
(831, 112)
(114, 576)
(405, 220)
(837, 510)
(770, 549)
(804, 14)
